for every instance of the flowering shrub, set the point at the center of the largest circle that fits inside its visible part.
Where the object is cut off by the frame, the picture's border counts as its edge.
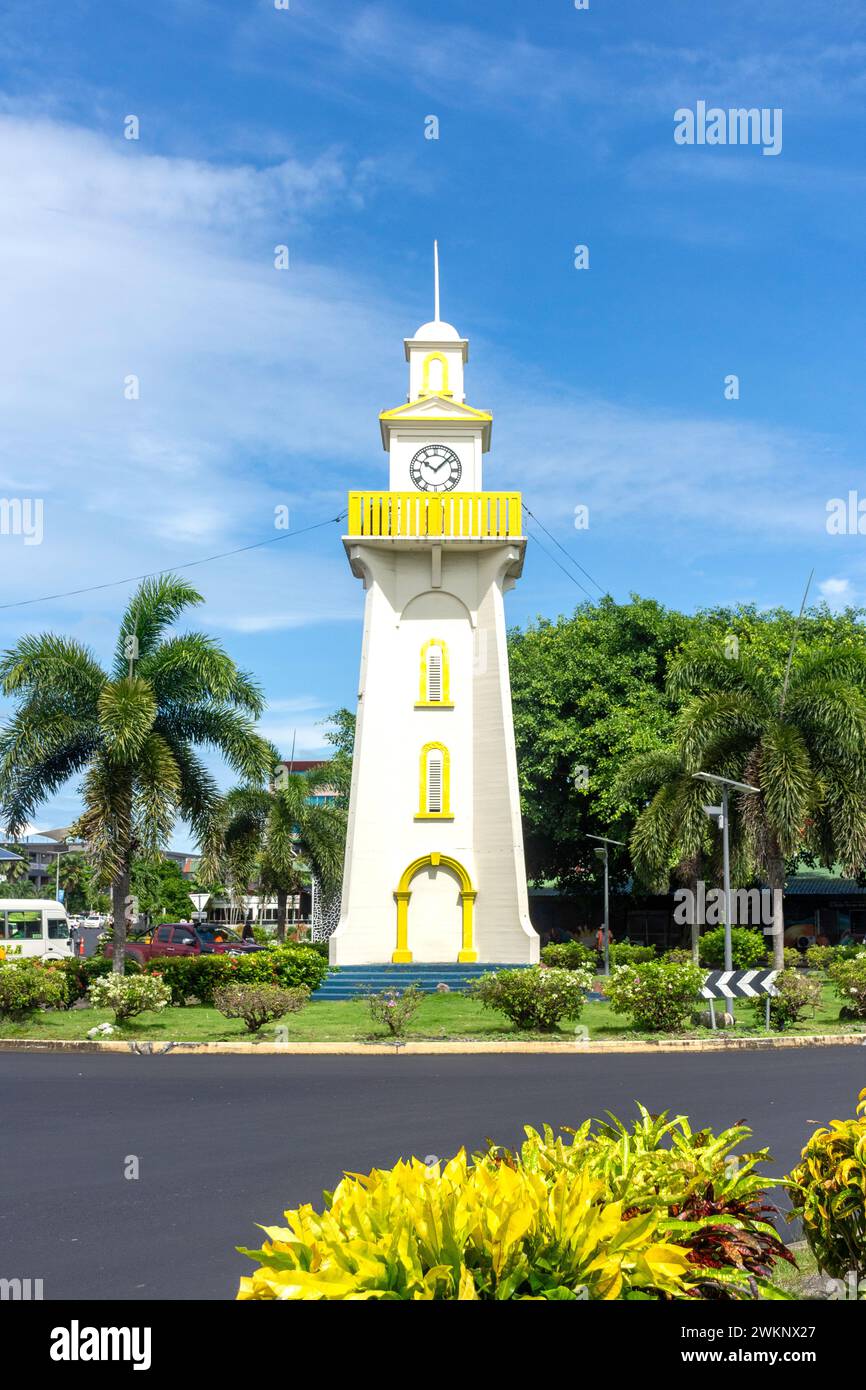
(533, 998)
(657, 1212)
(395, 1008)
(570, 955)
(660, 997)
(748, 948)
(828, 1195)
(128, 995)
(27, 986)
(849, 978)
(795, 995)
(259, 1004)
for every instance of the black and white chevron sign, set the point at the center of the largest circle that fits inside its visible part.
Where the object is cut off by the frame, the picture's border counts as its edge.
(738, 984)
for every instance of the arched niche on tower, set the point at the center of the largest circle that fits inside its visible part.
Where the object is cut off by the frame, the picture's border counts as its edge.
(436, 604)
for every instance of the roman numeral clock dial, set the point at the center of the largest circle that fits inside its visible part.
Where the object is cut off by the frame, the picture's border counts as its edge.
(435, 468)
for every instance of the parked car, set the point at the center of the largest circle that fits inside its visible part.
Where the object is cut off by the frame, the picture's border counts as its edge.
(186, 939)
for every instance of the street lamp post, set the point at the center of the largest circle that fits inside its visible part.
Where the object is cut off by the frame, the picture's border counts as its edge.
(602, 854)
(58, 855)
(720, 813)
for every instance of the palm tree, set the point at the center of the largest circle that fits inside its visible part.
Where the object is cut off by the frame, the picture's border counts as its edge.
(132, 731)
(280, 835)
(800, 740)
(670, 833)
(15, 870)
(77, 879)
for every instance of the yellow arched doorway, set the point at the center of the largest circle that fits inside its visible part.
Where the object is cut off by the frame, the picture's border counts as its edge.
(468, 894)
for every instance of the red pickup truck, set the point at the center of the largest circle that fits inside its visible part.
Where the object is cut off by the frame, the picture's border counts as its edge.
(181, 939)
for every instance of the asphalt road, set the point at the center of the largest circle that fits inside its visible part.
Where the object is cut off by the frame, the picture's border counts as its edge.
(224, 1143)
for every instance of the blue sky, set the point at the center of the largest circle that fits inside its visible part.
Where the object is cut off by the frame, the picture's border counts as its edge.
(261, 388)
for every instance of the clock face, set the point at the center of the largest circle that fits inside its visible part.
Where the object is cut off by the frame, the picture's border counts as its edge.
(435, 468)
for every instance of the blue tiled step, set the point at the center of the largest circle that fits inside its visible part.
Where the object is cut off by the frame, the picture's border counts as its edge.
(354, 981)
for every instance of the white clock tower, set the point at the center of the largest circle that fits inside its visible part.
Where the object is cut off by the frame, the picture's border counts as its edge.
(434, 867)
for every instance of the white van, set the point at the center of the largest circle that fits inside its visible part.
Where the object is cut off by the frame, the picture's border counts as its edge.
(34, 927)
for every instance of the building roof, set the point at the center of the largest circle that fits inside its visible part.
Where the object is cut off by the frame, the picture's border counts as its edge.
(823, 885)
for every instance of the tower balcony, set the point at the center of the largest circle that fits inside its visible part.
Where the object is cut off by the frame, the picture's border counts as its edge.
(422, 515)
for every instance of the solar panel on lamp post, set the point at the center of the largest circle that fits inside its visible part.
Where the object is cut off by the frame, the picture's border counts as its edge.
(602, 854)
(720, 813)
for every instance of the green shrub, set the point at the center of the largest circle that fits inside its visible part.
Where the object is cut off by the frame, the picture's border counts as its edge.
(795, 995)
(258, 1004)
(820, 957)
(191, 977)
(196, 977)
(533, 998)
(80, 972)
(287, 966)
(321, 948)
(792, 958)
(29, 986)
(395, 1008)
(658, 996)
(849, 980)
(748, 948)
(628, 953)
(677, 956)
(128, 995)
(570, 955)
(828, 1195)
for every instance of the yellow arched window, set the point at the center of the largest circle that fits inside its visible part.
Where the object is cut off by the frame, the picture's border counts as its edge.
(442, 388)
(435, 688)
(434, 783)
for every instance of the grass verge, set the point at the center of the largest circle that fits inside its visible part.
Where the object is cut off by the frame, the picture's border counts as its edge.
(440, 1017)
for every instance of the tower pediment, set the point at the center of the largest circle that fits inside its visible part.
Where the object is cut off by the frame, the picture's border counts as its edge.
(439, 410)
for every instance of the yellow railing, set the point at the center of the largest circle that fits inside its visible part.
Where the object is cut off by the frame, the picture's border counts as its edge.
(466, 515)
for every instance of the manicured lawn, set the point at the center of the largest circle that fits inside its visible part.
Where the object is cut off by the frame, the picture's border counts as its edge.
(441, 1016)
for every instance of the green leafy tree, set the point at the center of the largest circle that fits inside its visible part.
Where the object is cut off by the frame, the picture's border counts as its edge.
(161, 889)
(588, 694)
(78, 881)
(15, 871)
(23, 889)
(277, 837)
(800, 738)
(133, 731)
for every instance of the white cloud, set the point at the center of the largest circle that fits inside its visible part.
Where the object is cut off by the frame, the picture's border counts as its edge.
(119, 262)
(837, 592)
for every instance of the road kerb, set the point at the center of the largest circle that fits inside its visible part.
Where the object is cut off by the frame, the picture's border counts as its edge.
(432, 1047)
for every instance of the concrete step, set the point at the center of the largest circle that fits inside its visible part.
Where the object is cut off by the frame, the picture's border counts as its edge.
(354, 981)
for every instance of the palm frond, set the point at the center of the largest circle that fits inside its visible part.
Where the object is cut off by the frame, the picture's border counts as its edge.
(156, 795)
(193, 669)
(154, 607)
(127, 710)
(50, 665)
(228, 730)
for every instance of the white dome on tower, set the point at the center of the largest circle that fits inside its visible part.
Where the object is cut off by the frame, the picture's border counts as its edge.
(437, 332)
